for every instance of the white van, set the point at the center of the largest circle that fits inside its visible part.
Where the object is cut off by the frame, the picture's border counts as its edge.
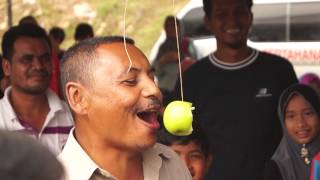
(289, 28)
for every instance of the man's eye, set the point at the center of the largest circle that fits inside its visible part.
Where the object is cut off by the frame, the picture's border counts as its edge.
(131, 82)
(26, 59)
(241, 11)
(220, 14)
(45, 58)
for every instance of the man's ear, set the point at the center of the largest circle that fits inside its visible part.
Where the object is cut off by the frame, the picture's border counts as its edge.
(77, 97)
(251, 19)
(6, 66)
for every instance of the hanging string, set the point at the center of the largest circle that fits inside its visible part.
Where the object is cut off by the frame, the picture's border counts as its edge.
(177, 40)
(178, 48)
(124, 35)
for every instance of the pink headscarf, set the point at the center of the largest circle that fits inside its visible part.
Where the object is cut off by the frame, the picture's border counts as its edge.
(308, 78)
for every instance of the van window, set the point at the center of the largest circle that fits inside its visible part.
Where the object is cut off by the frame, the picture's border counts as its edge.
(286, 22)
(193, 25)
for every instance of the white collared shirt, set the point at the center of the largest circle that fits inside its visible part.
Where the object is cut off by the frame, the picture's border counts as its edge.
(56, 127)
(159, 163)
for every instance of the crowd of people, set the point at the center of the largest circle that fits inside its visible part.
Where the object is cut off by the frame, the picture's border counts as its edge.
(94, 111)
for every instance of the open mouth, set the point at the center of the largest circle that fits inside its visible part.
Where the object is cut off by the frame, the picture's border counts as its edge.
(150, 118)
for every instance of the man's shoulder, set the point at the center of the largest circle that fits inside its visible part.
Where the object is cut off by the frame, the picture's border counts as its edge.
(165, 152)
(163, 149)
(200, 66)
(273, 59)
(6, 111)
(4, 116)
(172, 166)
(76, 162)
(3, 103)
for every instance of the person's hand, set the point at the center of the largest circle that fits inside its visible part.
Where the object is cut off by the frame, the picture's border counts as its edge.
(168, 57)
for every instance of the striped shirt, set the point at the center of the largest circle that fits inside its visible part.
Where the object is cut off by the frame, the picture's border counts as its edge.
(56, 127)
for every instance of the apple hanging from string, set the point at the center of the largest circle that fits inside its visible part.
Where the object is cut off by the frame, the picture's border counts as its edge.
(177, 118)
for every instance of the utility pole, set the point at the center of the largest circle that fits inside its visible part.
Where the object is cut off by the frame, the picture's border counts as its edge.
(9, 13)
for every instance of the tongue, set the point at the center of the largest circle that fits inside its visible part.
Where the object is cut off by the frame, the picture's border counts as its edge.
(151, 119)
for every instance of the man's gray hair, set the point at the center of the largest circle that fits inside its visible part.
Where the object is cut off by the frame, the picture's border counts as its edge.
(78, 62)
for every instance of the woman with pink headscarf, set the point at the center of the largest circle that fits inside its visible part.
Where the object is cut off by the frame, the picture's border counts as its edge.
(312, 80)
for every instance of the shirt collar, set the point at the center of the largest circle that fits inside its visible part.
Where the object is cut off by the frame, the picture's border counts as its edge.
(80, 166)
(55, 103)
(152, 161)
(77, 163)
(234, 66)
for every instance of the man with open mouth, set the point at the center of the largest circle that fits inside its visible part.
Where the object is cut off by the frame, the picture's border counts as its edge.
(110, 88)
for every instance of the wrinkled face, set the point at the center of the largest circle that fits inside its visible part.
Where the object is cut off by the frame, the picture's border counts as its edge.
(230, 21)
(194, 158)
(30, 69)
(301, 121)
(123, 106)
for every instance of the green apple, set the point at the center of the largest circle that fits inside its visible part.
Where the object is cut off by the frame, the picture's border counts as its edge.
(177, 118)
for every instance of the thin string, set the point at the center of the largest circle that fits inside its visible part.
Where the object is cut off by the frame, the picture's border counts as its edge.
(178, 45)
(124, 35)
(178, 48)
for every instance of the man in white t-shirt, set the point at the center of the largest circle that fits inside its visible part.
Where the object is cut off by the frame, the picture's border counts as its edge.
(28, 106)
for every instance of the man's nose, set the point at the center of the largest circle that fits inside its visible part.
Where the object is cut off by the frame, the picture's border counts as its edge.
(232, 18)
(151, 89)
(37, 63)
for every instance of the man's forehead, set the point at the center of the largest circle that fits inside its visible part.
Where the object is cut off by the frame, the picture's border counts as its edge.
(117, 50)
(30, 46)
(31, 42)
(28, 39)
(112, 46)
(111, 51)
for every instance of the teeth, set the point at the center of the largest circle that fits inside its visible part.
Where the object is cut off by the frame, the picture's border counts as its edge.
(233, 30)
(302, 132)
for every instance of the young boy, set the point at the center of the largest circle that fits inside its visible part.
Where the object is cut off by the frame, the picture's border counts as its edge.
(192, 149)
